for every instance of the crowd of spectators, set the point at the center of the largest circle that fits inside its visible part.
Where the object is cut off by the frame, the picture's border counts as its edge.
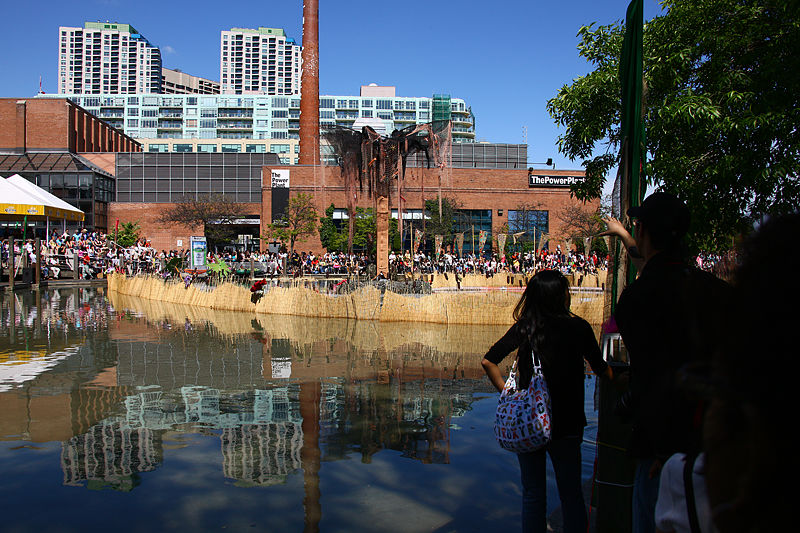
(514, 263)
(91, 253)
(96, 253)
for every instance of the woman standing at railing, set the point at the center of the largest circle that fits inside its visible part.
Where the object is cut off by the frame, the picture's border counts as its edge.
(545, 328)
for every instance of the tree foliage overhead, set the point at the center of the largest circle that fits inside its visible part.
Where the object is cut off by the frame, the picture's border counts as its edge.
(214, 213)
(721, 109)
(299, 222)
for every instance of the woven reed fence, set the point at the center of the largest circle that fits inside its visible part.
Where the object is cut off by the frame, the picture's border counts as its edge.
(365, 337)
(491, 308)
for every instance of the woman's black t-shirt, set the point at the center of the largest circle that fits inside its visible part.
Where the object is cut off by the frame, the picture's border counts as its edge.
(567, 342)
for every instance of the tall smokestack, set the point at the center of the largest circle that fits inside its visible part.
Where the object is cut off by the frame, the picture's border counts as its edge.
(309, 85)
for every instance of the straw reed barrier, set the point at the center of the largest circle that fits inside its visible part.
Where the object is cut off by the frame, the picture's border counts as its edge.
(453, 308)
(364, 304)
(364, 336)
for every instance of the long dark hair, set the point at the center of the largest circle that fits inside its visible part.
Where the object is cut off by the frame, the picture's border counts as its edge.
(546, 298)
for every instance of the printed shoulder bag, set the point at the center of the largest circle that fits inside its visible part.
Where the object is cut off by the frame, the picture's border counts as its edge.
(523, 418)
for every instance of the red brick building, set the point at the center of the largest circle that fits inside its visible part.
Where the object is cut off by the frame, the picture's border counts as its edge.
(44, 125)
(79, 157)
(45, 141)
(496, 193)
(500, 192)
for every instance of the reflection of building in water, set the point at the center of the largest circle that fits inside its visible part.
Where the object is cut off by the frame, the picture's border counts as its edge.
(411, 417)
(211, 408)
(175, 365)
(262, 454)
(261, 435)
(111, 456)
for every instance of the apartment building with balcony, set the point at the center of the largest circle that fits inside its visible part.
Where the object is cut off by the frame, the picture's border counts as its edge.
(257, 123)
(259, 61)
(107, 58)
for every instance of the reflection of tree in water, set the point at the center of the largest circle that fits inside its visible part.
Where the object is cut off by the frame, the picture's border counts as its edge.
(111, 456)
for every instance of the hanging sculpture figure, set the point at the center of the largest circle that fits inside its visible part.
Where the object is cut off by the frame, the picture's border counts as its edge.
(368, 159)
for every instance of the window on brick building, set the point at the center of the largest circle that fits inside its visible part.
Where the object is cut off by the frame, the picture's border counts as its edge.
(530, 222)
(471, 222)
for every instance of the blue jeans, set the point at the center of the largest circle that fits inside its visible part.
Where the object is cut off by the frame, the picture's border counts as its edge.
(645, 496)
(565, 453)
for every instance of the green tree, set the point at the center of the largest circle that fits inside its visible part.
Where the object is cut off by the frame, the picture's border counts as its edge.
(443, 225)
(299, 222)
(721, 109)
(128, 233)
(329, 234)
(334, 238)
(366, 230)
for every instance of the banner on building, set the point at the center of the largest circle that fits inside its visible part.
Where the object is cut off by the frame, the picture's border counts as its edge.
(460, 241)
(419, 239)
(482, 234)
(438, 241)
(501, 242)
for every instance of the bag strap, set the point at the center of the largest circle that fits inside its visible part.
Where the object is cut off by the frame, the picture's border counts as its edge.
(688, 487)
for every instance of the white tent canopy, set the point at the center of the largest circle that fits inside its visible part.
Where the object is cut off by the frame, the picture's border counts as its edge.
(19, 198)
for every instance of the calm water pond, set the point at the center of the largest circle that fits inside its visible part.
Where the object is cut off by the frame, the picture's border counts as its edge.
(141, 416)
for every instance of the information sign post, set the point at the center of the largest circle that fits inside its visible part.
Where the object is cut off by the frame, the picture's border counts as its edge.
(198, 255)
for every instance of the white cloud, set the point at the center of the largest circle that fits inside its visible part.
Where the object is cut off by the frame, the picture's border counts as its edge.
(168, 50)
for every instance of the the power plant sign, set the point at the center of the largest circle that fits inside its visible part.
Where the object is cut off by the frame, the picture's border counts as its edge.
(553, 181)
(280, 179)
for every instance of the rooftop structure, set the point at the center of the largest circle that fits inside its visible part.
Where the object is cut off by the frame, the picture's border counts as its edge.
(175, 81)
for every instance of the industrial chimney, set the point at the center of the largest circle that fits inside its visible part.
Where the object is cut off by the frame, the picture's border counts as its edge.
(309, 85)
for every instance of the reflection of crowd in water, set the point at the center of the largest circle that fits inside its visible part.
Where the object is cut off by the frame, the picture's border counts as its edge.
(71, 309)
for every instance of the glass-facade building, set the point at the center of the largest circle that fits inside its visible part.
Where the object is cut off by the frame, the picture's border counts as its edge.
(165, 177)
(69, 177)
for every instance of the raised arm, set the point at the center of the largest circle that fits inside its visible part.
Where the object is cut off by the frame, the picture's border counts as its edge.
(616, 229)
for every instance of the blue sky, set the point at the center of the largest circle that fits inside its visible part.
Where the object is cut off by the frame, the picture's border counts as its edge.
(504, 58)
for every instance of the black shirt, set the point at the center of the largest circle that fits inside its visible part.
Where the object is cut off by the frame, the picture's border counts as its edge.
(568, 341)
(671, 315)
